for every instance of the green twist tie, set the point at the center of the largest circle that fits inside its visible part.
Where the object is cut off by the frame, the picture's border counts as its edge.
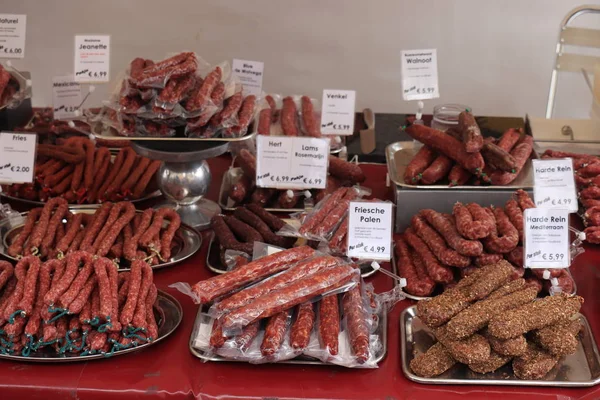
(11, 319)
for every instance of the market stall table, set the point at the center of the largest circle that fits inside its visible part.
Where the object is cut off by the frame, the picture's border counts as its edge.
(168, 370)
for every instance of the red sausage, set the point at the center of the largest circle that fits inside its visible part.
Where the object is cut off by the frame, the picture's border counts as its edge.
(419, 163)
(329, 323)
(435, 270)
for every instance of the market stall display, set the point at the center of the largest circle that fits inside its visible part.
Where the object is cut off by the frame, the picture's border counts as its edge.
(82, 173)
(79, 306)
(115, 230)
(438, 250)
(238, 186)
(487, 322)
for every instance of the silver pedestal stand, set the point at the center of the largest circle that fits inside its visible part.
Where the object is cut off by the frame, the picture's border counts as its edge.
(184, 176)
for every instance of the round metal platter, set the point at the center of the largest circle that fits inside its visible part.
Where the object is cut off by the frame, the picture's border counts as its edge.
(187, 241)
(38, 203)
(168, 315)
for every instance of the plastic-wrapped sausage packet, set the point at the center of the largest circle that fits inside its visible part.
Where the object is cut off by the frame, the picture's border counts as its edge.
(234, 259)
(322, 221)
(158, 74)
(201, 104)
(14, 87)
(329, 281)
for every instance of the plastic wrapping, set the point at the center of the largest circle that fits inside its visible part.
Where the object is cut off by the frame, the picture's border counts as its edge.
(14, 87)
(323, 220)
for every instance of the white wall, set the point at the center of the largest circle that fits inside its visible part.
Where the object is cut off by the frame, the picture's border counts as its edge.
(495, 56)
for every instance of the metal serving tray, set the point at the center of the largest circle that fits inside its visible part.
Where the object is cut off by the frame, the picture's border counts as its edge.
(38, 203)
(187, 241)
(203, 321)
(168, 317)
(399, 155)
(581, 369)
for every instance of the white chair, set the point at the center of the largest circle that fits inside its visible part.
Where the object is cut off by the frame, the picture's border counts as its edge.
(573, 62)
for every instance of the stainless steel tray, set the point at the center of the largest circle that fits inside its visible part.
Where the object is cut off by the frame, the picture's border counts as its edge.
(399, 154)
(581, 369)
(203, 319)
(168, 317)
(38, 203)
(187, 240)
(230, 177)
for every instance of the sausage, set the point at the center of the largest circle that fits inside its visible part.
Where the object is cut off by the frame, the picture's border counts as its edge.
(262, 196)
(437, 245)
(471, 135)
(264, 121)
(592, 192)
(274, 222)
(419, 163)
(287, 199)
(288, 117)
(30, 289)
(175, 90)
(209, 289)
(227, 238)
(498, 158)
(590, 171)
(298, 271)
(136, 172)
(262, 228)
(448, 146)
(539, 272)
(592, 234)
(33, 324)
(439, 169)
(70, 155)
(437, 272)
(509, 139)
(95, 226)
(445, 225)
(487, 259)
(327, 225)
(158, 77)
(78, 281)
(515, 215)
(244, 117)
(53, 224)
(227, 117)
(345, 171)
(357, 326)
(293, 294)
(124, 171)
(524, 200)
(311, 127)
(142, 184)
(472, 221)
(243, 230)
(328, 205)
(521, 154)
(16, 246)
(83, 298)
(331, 186)
(274, 333)
(435, 361)
(339, 241)
(240, 189)
(133, 291)
(6, 272)
(41, 227)
(139, 317)
(329, 323)
(21, 273)
(247, 163)
(166, 239)
(302, 326)
(505, 237)
(126, 212)
(130, 246)
(152, 326)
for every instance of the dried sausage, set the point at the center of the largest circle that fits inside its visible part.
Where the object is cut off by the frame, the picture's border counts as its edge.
(418, 283)
(274, 333)
(419, 163)
(357, 325)
(435, 270)
(212, 288)
(16, 247)
(262, 196)
(76, 283)
(326, 207)
(345, 171)
(261, 227)
(505, 237)
(288, 117)
(509, 139)
(458, 176)
(247, 163)
(227, 238)
(521, 153)
(274, 222)
(329, 323)
(240, 189)
(437, 245)
(445, 225)
(439, 168)
(498, 158)
(473, 224)
(471, 135)
(133, 291)
(130, 246)
(302, 326)
(515, 215)
(309, 120)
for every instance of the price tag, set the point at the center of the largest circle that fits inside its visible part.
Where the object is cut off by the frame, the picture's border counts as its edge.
(554, 184)
(250, 74)
(337, 112)
(546, 238)
(291, 162)
(12, 35)
(92, 58)
(17, 157)
(370, 230)
(66, 97)
(419, 74)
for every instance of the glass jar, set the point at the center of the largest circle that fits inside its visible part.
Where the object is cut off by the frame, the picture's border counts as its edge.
(445, 116)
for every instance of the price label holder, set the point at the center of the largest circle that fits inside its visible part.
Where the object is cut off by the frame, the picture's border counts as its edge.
(66, 97)
(291, 162)
(12, 35)
(250, 74)
(420, 74)
(554, 184)
(337, 112)
(17, 157)
(92, 58)
(370, 230)
(546, 238)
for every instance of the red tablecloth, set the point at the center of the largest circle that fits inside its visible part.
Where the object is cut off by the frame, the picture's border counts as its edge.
(168, 370)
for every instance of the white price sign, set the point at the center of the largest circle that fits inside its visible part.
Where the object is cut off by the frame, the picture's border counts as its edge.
(420, 74)
(92, 58)
(337, 112)
(250, 74)
(554, 184)
(370, 230)
(17, 157)
(291, 162)
(546, 238)
(66, 97)
(12, 35)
